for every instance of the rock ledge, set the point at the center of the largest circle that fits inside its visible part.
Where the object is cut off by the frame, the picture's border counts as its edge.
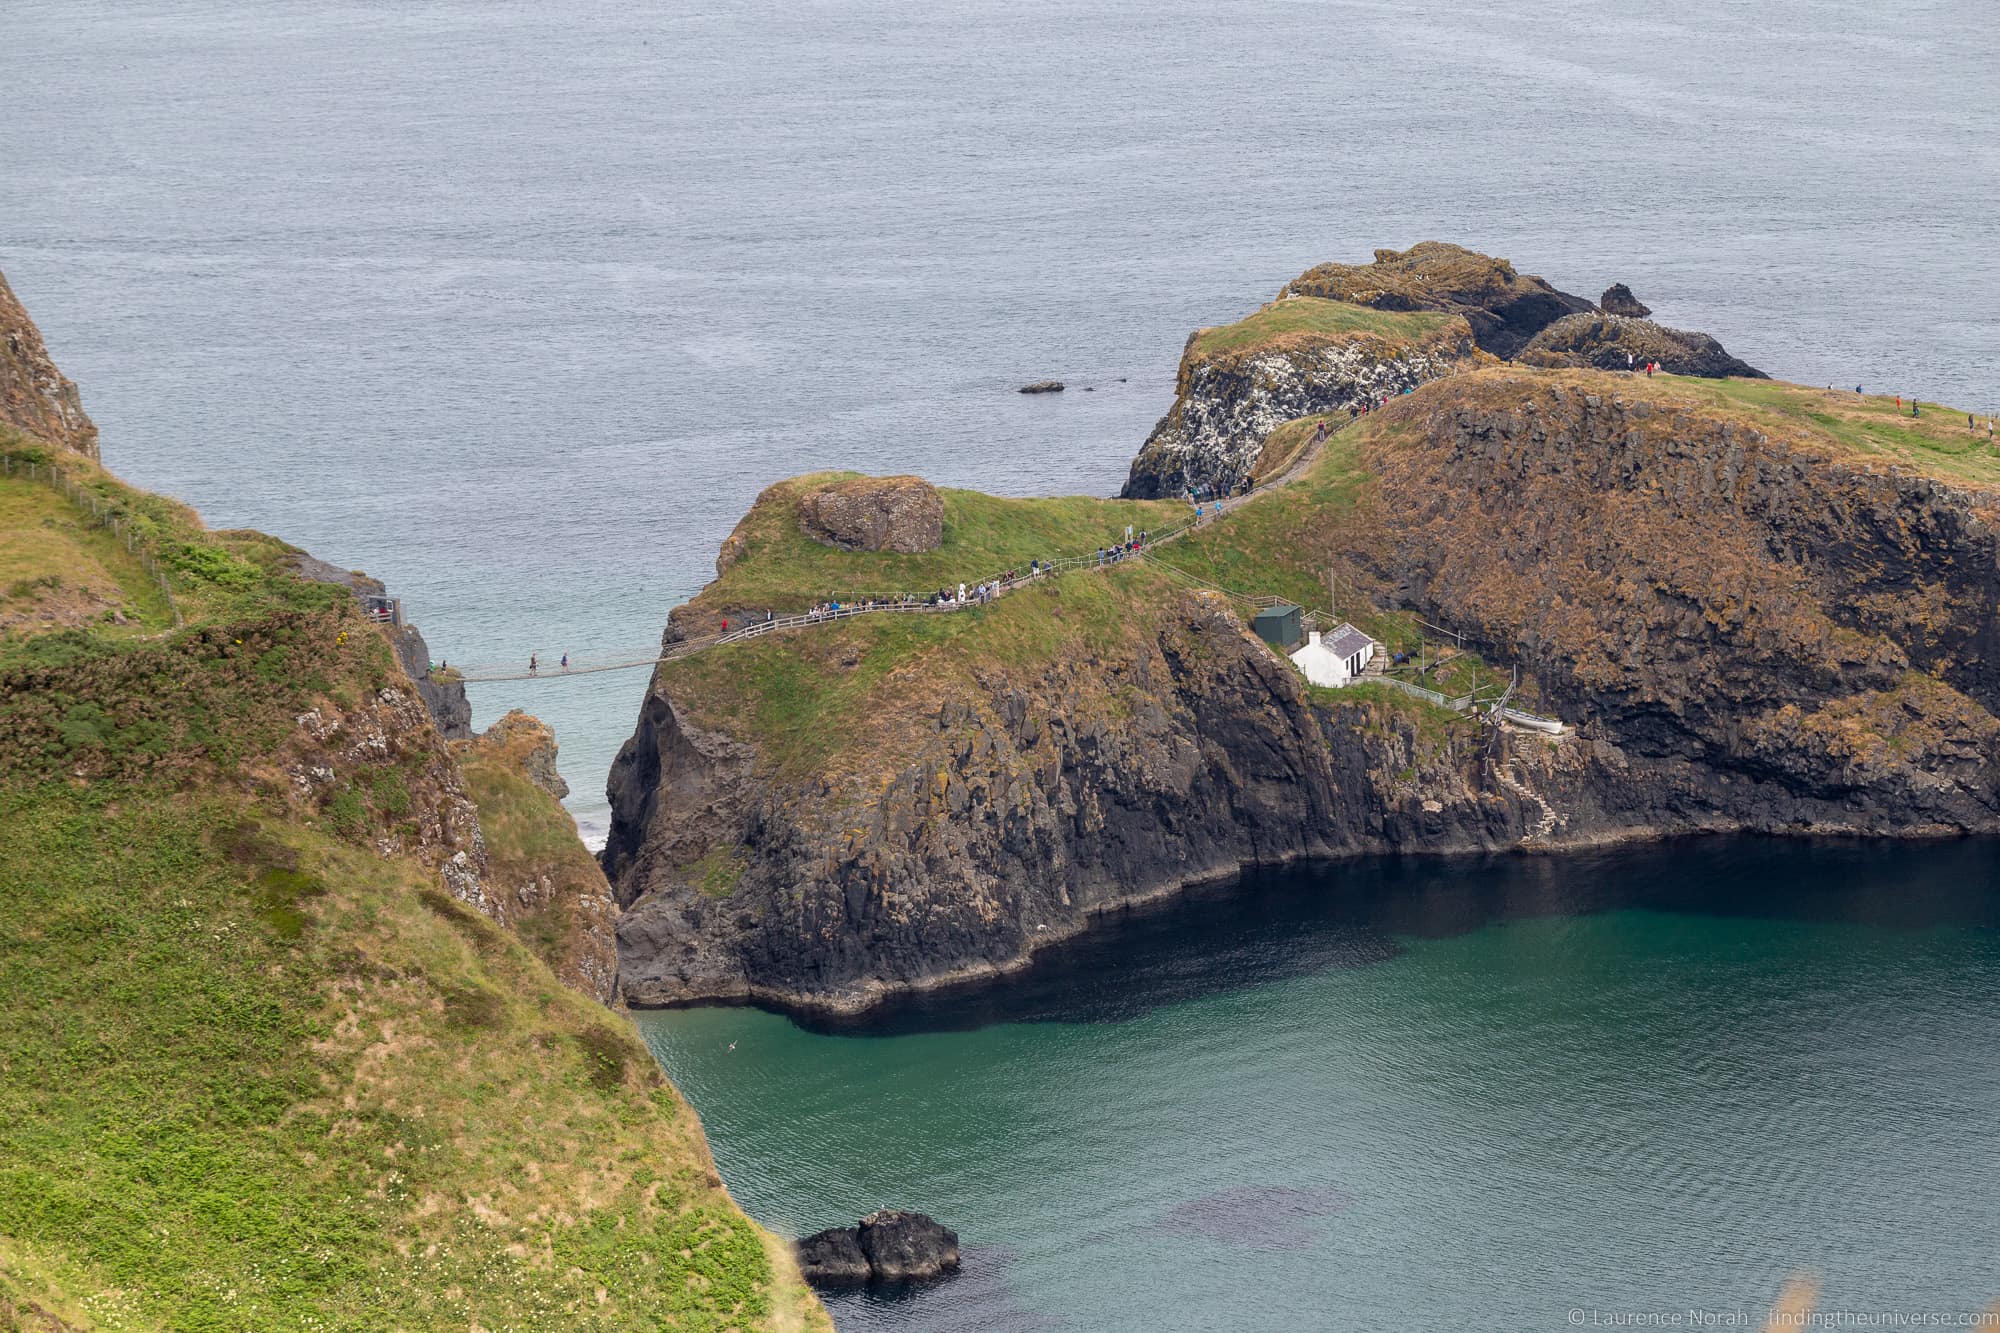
(900, 514)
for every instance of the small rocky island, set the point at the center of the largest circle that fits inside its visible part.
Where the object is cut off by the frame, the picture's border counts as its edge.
(885, 1246)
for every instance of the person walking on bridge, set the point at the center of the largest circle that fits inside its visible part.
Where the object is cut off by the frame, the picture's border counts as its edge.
(534, 664)
(565, 661)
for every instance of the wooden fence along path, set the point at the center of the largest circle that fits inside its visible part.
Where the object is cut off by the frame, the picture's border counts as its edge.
(102, 515)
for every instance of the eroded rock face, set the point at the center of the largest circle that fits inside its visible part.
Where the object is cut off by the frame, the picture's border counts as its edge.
(1504, 308)
(1774, 636)
(531, 743)
(1611, 342)
(1618, 300)
(546, 884)
(444, 695)
(35, 397)
(887, 1246)
(901, 514)
(1225, 407)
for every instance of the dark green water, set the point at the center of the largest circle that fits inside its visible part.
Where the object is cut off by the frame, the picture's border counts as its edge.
(1427, 1094)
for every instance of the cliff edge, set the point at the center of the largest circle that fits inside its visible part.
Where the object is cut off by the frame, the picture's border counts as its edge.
(35, 397)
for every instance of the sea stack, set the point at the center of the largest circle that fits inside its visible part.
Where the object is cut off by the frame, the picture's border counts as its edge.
(886, 1246)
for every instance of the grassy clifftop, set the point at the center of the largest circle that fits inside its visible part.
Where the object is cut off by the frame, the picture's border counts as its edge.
(259, 1070)
(1303, 318)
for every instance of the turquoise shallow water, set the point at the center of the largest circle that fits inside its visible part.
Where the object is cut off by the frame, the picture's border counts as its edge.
(1422, 1094)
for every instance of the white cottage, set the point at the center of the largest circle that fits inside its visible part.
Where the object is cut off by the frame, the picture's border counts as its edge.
(1334, 659)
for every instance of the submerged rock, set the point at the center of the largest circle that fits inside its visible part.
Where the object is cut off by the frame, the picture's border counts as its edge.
(901, 514)
(1042, 386)
(1618, 300)
(886, 1246)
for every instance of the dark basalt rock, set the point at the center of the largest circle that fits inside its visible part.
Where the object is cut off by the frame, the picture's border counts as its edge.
(886, 1246)
(833, 1258)
(1618, 300)
(1755, 632)
(1042, 386)
(1612, 342)
(443, 696)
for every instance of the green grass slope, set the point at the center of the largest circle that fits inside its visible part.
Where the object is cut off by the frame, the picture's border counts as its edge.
(257, 1070)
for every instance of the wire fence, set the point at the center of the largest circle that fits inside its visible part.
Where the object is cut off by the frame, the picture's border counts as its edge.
(104, 515)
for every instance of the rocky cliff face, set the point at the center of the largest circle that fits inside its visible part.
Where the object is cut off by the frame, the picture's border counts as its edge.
(443, 695)
(543, 882)
(1016, 814)
(1227, 404)
(34, 395)
(1775, 634)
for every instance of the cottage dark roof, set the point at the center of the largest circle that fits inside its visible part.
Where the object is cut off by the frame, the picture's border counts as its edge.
(1346, 641)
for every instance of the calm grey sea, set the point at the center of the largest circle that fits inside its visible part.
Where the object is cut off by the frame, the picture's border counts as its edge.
(518, 305)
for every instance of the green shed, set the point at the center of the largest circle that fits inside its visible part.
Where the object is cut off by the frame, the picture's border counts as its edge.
(1279, 626)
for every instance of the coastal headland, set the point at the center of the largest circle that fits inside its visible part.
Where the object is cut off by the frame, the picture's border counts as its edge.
(1754, 606)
